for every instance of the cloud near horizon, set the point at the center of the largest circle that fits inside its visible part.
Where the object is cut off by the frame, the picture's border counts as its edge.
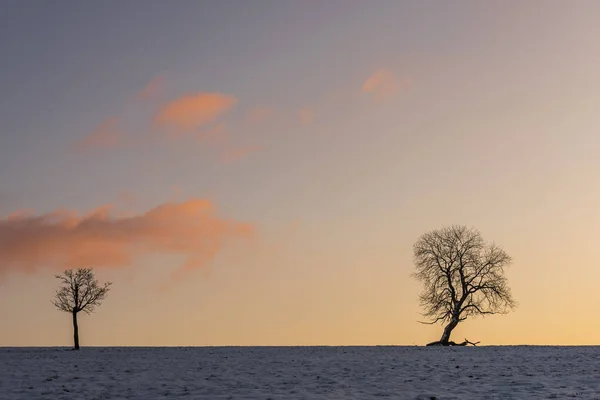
(107, 135)
(190, 112)
(65, 239)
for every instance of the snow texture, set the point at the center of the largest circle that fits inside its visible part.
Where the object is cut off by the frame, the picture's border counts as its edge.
(520, 372)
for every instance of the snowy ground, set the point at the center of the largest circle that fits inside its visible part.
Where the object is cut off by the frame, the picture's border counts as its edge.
(301, 373)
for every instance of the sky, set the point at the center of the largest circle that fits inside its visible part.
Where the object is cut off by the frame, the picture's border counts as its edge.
(256, 173)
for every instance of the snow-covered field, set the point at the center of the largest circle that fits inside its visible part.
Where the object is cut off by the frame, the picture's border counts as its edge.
(301, 373)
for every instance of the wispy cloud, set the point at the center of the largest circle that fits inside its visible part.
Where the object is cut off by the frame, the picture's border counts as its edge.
(188, 113)
(152, 89)
(384, 84)
(65, 239)
(106, 136)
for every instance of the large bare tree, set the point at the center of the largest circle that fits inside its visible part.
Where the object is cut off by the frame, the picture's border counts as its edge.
(79, 291)
(462, 276)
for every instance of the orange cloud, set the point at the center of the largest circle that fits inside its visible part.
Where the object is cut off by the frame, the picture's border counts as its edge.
(236, 154)
(64, 239)
(306, 115)
(152, 88)
(106, 136)
(17, 214)
(190, 112)
(383, 84)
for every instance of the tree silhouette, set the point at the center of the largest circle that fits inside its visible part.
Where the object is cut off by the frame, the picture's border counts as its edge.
(462, 277)
(79, 291)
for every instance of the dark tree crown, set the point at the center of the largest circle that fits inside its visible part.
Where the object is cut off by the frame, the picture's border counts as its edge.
(461, 274)
(79, 291)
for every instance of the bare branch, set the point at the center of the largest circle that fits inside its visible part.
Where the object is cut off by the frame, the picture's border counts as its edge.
(462, 276)
(79, 291)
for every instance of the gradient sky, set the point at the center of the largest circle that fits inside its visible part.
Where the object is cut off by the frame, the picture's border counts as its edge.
(256, 173)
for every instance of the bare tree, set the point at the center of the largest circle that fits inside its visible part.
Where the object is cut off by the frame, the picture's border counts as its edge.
(79, 291)
(462, 277)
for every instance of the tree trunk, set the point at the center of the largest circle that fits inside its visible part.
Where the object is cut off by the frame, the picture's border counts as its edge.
(75, 331)
(447, 331)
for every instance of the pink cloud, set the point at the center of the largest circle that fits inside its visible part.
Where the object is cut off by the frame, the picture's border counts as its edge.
(106, 136)
(188, 113)
(65, 239)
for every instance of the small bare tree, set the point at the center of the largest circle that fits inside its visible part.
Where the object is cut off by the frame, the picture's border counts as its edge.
(79, 291)
(462, 277)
